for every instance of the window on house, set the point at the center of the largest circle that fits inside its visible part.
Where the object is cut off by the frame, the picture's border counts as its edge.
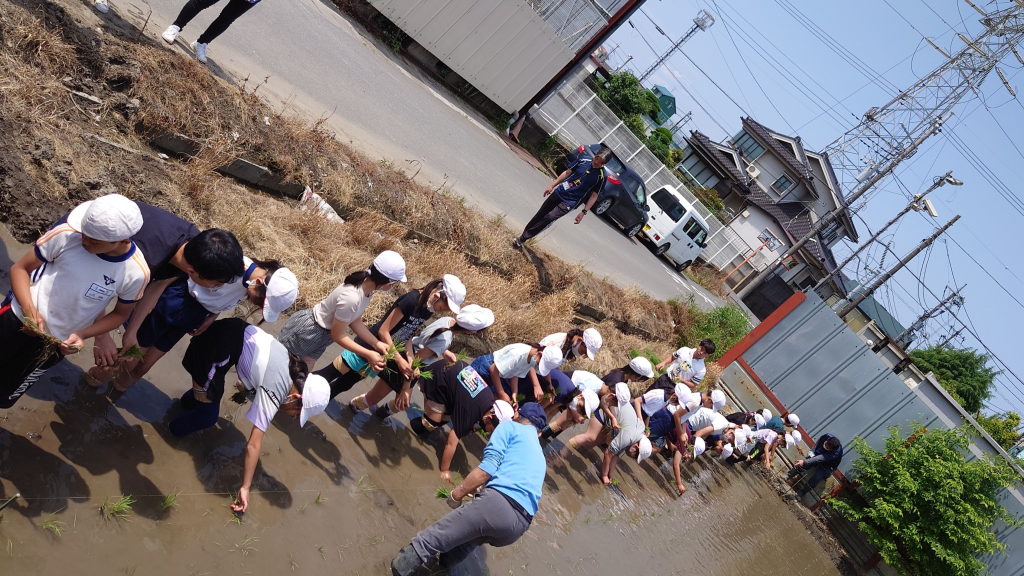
(750, 147)
(783, 184)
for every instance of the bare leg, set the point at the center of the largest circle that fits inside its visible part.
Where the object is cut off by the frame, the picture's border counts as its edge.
(133, 371)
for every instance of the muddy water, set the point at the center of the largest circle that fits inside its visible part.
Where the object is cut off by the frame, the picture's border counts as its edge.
(66, 449)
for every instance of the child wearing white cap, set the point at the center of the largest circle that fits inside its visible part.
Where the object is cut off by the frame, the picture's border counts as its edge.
(628, 437)
(64, 285)
(396, 328)
(686, 365)
(575, 343)
(507, 366)
(266, 284)
(637, 369)
(576, 399)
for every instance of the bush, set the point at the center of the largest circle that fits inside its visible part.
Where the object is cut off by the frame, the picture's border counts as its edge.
(726, 325)
(649, 354)
(924, 506)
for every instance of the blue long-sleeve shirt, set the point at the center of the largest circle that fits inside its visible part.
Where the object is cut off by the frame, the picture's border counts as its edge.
(826, 458)
(514, 459)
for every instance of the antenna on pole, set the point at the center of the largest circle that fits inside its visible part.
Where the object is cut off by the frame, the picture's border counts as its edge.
(703, 21)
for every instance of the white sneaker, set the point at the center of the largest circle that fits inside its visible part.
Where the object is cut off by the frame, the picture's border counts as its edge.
(200, 50)
(101, 6)
(171, 34)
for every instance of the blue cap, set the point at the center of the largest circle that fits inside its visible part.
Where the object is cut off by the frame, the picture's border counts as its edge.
(534, 413)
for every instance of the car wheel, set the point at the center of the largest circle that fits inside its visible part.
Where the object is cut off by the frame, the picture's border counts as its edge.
(681, 267)
(661, 249)
(634, 230)
(603, 206)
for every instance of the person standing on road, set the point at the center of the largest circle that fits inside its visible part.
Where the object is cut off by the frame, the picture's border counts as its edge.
(580, 182)
(512, 473)
(228, 15)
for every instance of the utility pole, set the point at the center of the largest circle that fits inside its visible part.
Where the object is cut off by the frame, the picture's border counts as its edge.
(951, 337)
(824, 220)
(914, 204)
(703, 21)
(892, 271)
(889, 134)
(953, 297)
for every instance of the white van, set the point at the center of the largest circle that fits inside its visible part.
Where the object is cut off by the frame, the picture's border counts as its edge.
(674, 228)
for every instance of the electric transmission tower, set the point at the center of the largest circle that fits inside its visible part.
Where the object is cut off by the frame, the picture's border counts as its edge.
(887, 135)
(875, 145)
(703, 21)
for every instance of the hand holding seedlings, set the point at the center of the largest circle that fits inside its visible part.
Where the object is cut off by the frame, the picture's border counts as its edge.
(242, 501)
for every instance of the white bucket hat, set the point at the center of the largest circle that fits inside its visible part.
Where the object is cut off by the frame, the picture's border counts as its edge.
(316, 393)
(642, 366)
(698, 447)
(759, 420)
(550, 359)
(475, 318)
(503, 411)
(794, 420)
(622, 394)
(282, 290)
(727, 451)
(790, 442)
(644, 450)
(390, 264)
(681, 390)
(797, 436)
(717, 400)
(454, 290)
(109, 218)
(592, 340)
(767, 414)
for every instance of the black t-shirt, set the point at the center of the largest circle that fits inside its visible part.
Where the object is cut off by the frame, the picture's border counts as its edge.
(412, 318)
(463, 392)
(614, 377)
(161, 236)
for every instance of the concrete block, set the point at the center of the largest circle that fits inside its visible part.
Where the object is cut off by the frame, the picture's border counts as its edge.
(176, 144)
(245, 171)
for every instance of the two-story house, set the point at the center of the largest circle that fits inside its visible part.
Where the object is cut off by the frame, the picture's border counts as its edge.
(774, 191)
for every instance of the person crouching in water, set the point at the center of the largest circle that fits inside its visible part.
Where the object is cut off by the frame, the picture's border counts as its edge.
(506, 367)
(268, 375)
(396, 329)
(512, 473)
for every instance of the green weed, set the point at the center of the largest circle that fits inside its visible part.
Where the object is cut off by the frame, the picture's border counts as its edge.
(120, 509)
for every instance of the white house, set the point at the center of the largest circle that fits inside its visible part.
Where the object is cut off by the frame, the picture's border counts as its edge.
(774, 191)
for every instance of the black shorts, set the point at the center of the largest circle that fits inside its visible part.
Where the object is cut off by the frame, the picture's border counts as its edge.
(392, 376)
(22, 357)
(212, 354)
(176, 313)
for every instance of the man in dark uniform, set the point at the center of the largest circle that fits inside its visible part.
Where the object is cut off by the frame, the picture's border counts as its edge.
(828, 453)
(581, 181)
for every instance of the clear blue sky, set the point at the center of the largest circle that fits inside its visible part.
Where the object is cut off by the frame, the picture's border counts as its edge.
(762, 59)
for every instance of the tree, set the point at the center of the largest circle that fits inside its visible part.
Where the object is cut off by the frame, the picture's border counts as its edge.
(1003, 428)
(964, 372)
(636, 126)
(659, 143)
(924, 506)
(624, 95)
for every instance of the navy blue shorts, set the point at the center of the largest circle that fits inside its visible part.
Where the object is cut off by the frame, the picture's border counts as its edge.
(564, 389)
(176, 313)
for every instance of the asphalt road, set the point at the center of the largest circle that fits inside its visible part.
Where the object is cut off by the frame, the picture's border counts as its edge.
(320, 64)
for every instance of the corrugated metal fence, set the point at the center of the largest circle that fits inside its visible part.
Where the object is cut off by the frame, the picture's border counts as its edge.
(807, 361)
(574, 115)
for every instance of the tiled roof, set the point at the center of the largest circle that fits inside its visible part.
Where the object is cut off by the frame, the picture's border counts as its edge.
(723, 161)
(801, 168)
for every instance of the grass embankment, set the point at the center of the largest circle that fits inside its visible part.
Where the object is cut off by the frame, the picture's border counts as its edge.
(50, 160)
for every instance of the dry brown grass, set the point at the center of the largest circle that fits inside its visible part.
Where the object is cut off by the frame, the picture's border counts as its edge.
(710, 278)
(532, 294)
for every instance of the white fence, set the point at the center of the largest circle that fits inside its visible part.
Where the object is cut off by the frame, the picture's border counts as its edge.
(574, 115)
(576, 21)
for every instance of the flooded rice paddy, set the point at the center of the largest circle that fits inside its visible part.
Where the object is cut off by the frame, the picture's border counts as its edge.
(338, 497)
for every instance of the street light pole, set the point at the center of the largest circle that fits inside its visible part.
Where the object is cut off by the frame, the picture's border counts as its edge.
(914, 205)
(823, 221)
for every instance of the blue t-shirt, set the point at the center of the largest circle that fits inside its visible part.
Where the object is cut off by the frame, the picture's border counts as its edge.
(514, 459)
(584, 180)
(661, 423)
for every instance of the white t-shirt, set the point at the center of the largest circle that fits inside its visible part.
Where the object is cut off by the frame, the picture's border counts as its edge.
(705, 417)
(73, 287)
(556, 339)
(766, 435)
(435, 337)
(263, 369)
(685, 367)
(690, 403)
(587, 381)
(346, 303)
(226, 296)
(513, 361)
(655, 400)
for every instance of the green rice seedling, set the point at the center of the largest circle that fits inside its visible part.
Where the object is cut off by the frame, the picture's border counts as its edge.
(10, 548)
(246, 546)
(170, 501)
(615, 482)
(320, 549)
(394, 350)
(303, 507)
(235, 519)
(50, 343)
(365, 485)
(52, 524)
(320, 499)
(442, 493)
(133, 352)
(520, 398)
(119, 509)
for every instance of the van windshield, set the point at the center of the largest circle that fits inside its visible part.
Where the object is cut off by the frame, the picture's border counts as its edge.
(668, 203)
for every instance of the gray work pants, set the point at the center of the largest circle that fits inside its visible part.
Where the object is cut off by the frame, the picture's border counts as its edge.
(487, 519)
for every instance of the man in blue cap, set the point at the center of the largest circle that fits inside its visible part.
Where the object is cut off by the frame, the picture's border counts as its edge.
(512, 473)
(581, 182)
